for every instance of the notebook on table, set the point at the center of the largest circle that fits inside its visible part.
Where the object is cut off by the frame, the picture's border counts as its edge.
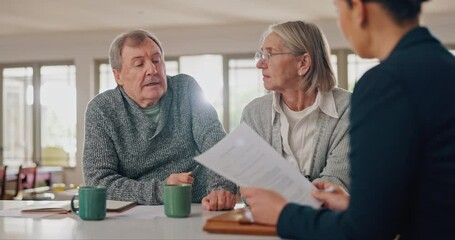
(63, 207)
(234, 222)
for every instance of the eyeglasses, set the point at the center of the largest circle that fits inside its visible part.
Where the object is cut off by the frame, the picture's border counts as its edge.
(265, 56)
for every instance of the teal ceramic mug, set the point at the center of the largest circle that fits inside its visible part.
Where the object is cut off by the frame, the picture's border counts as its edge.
(92, 203)
(177, 200)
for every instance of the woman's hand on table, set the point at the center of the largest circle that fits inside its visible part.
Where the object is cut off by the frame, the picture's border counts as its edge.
(218, 200)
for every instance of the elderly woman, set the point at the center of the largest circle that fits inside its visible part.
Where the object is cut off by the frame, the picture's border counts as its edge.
(305, 118)
(145, 132)
(403, 144)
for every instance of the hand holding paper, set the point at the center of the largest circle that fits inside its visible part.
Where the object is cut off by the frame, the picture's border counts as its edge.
(246, 159)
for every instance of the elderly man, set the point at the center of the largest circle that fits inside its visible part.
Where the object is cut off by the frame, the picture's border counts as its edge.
(144, 133)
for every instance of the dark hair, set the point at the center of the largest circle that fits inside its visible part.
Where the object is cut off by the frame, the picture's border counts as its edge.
(400, 10)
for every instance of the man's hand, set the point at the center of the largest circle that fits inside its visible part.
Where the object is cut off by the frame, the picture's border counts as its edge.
(218, 200)
(180, 178)
(337, 199)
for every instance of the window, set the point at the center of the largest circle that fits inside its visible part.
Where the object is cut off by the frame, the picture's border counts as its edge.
(58, 115)
(172, 67)
(245, 84)
(357, 66)
(17, 115)
(229, 97)
(229, 82)
(208, 72)
(39, 129)
(106, 77)
(334, 62)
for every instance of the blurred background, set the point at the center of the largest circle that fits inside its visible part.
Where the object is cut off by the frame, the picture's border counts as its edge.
(54, 59)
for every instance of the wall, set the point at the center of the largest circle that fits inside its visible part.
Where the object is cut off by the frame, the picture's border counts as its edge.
(85, 47)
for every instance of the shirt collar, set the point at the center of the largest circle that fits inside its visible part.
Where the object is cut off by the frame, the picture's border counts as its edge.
(276, 108)
(324, 101)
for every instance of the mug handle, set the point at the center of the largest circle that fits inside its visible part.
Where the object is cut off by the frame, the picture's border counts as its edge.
(72, 205)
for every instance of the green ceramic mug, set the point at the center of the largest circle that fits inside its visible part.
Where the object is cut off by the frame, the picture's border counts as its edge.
(177, 200)
(92, 203)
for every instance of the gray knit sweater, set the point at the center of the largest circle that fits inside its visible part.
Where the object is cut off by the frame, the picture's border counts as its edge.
(330, 160)
(132, 158)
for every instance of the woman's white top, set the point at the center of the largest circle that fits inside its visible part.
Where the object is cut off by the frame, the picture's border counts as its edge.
(298, 128)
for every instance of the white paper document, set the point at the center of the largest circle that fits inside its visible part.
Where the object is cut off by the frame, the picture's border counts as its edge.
(246, 159)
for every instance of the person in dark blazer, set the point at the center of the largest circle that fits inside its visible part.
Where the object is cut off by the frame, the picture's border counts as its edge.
(402, 137)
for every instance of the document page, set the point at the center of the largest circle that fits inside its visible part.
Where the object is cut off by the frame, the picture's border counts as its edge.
(248, 160)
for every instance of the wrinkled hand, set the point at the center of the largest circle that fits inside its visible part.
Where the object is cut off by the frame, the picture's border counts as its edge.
(219, 200)
(180, 178)
(337, 200)
(265, 205)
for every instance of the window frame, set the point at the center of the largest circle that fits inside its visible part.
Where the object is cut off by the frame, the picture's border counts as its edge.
(36, 107)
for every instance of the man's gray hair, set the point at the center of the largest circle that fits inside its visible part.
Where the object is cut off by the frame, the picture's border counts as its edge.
(134, 38)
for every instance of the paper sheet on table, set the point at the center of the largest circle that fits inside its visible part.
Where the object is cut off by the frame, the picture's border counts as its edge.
(143, 212)
(246, 159)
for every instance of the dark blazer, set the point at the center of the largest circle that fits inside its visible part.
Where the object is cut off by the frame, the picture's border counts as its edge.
(402, 152)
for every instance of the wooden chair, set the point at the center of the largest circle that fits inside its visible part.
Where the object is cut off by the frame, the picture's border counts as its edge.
(3, 182)
(26, 179)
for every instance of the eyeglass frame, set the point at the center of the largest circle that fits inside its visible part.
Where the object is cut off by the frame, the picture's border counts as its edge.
(260, 55)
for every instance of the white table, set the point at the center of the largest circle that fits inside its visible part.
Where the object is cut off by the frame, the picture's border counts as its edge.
(69, 226)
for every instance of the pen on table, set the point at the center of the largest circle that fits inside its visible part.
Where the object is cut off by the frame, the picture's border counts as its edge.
(242, 198)
(248, 215)
(195, 169)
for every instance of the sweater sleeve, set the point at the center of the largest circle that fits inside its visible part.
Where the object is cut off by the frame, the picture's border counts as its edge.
(207, 131)
(337, 165)
(302, 222)
(101, 164)
(248, 117)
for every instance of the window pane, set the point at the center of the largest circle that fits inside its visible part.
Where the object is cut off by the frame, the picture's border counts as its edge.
(17, 116)
(58, 115)
(245, 84)
(107, 80)
(357, 66)
(172, 68)
(208, 72)
(334, 62)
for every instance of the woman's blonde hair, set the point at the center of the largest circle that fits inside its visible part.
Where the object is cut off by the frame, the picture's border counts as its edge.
(298, 37)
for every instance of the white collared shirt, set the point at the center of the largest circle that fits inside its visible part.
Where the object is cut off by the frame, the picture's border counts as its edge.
(298, 128)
